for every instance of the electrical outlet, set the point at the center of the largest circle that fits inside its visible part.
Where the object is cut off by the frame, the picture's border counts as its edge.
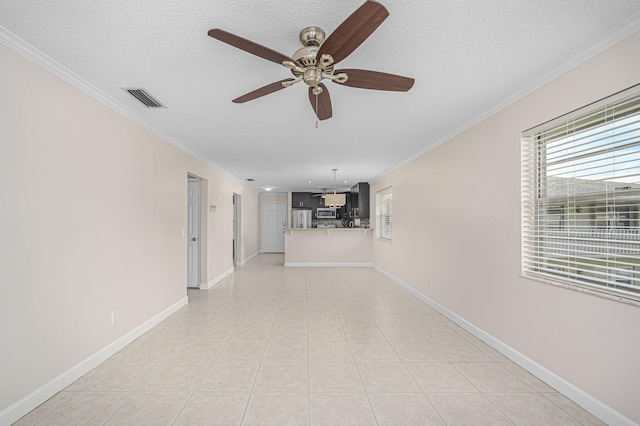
(114, 317)
(427, 280)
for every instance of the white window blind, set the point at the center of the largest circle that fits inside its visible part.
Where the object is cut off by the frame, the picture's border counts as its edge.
(384, 209)
(581, 198)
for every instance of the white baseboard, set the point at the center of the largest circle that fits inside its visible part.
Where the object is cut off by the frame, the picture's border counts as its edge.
(22, 407)
(247, 260)
(216, 280)
(577, 395)
(328, 265)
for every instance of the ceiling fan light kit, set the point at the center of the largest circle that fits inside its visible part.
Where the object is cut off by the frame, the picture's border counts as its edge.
(315, 61)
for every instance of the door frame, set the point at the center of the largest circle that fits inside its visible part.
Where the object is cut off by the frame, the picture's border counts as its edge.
(202, 230)
(193, 218)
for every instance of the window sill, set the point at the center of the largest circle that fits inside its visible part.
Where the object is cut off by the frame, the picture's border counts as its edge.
(630, 300)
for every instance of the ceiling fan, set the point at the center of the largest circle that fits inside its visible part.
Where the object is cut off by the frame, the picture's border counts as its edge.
(315, 62)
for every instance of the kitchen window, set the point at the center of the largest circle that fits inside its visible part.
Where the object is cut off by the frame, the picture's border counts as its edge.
(581, 199)
(384, 208)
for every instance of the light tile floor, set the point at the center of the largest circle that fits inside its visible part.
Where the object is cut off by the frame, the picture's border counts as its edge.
(321, 346)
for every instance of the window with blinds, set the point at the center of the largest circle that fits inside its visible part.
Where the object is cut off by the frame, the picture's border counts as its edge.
(384, 207)
(581, 198)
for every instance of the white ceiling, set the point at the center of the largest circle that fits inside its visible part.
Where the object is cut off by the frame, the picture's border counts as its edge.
(469, 58)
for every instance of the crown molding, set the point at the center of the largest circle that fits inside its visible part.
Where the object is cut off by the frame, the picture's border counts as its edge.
(25, 49)
(627, 28)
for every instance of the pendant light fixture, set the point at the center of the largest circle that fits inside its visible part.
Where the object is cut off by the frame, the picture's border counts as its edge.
(334, 200)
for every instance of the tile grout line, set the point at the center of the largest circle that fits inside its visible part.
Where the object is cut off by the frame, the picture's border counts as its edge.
(264, 350)
(404, 364)
(186, 403)
(366, 392)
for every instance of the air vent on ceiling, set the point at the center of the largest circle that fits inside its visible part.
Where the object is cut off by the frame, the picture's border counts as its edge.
(145, 97)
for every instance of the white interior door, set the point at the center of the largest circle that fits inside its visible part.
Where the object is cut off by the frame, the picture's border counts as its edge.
(236, 228)
(274, 221)
(193, 233)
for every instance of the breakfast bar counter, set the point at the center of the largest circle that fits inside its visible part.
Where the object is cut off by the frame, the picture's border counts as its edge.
(328, 246)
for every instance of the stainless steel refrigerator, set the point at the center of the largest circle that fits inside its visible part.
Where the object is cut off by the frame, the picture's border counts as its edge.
(300, 218)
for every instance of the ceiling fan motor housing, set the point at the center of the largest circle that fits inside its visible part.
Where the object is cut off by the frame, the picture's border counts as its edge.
(311, 38)
(306, 56)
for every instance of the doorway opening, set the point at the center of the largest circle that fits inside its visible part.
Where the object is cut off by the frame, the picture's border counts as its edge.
(193, 231)
(237, 205)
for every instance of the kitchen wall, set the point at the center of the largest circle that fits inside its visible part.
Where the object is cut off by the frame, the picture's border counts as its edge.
(456, 220)
(93, 210)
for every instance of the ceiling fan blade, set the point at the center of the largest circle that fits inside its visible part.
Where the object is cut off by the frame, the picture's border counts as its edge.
(376, 80)
(249, 46)
(353, 31)
(258, 93)
(323, 101)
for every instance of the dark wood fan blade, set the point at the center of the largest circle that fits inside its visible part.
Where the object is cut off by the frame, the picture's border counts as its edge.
(323, 101)
(376, 80)
(258, 93)
(249, 46)
(353, 31)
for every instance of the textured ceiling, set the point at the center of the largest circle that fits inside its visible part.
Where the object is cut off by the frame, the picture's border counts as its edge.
(468, 59)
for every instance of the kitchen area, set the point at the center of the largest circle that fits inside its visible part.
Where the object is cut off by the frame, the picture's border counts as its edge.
(331, 210)
(330, 229)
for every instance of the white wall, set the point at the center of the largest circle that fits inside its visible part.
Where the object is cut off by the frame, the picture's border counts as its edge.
(456, 220)
(93, 208)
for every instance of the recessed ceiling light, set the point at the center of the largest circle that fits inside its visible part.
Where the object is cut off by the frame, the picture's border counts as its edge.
(309, 181)
(346, 181)
(268, 188)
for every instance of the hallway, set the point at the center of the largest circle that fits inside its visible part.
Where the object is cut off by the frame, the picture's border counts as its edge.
(324, 346)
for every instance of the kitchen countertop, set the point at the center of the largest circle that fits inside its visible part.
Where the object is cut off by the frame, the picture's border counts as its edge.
(328, 229)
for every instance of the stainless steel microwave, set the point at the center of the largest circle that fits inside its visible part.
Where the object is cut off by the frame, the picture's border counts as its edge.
(326, 213)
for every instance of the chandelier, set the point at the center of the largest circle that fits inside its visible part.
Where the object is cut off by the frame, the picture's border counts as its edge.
(334, 200)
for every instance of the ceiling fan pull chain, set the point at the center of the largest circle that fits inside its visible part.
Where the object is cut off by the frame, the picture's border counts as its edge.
(316, 110)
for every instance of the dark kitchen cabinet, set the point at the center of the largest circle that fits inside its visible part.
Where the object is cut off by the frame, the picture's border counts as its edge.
(316, 202)
(348, 207)
(341, 212)
(360, 200)
(301, 200)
